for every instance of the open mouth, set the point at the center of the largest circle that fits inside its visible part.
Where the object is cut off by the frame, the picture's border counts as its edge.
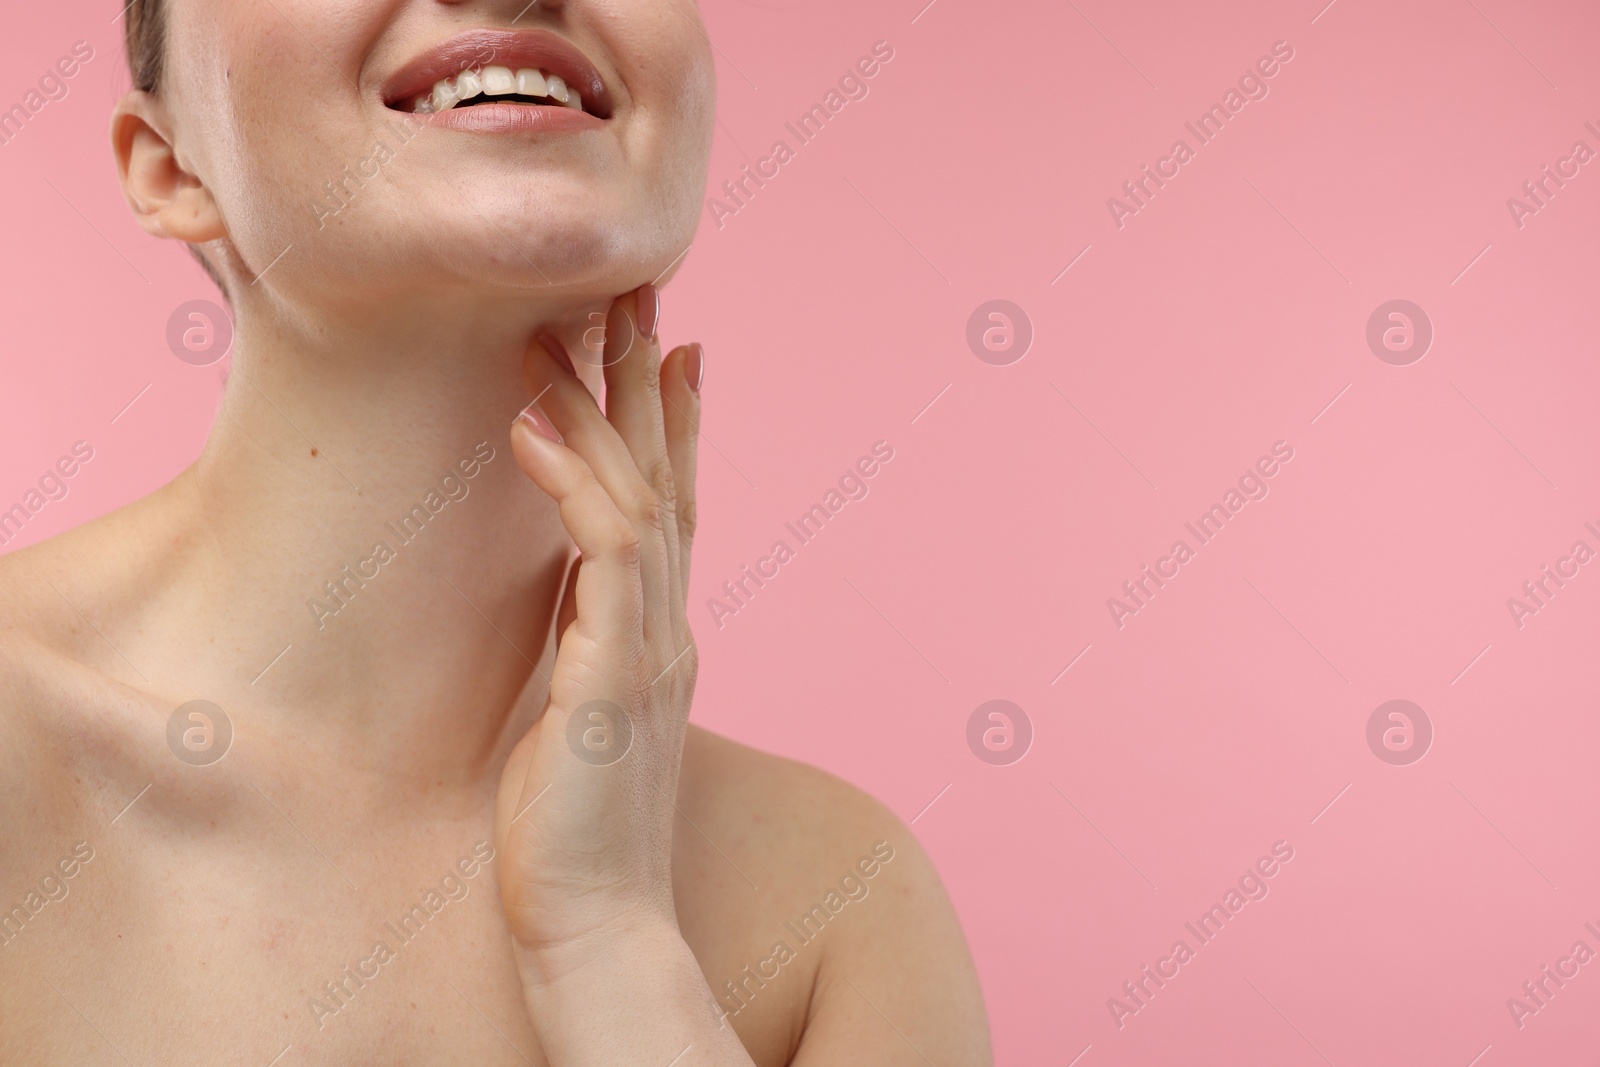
(497, 85)
(522, 68)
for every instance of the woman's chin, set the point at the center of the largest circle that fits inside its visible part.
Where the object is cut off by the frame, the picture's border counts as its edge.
(478, 279)
(481, 260)
(577, 256)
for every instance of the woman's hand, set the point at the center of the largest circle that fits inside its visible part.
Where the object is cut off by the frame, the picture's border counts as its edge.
(583, 821)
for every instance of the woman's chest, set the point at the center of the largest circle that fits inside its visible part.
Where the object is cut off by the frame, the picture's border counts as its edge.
(278, 949)
(171, 956)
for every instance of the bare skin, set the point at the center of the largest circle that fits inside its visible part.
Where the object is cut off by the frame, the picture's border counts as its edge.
(406, 758)
(220, 899)
(204, 924)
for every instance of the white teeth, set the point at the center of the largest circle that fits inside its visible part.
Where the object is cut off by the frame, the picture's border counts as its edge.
(499, 81)
(496, 81)
(445, 96)
(531, 83)
(468, 84)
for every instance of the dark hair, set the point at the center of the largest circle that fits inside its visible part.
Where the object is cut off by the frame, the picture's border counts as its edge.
(144, 30)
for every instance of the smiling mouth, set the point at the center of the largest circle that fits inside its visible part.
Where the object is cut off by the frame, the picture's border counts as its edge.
(496, 85)
(513, 69)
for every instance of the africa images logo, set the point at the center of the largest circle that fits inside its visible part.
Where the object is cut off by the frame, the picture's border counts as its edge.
(341, 589)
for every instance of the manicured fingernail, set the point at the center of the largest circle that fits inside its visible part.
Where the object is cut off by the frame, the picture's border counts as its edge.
(649, 304)
(539, 423)
(558, 351)
(694, 367)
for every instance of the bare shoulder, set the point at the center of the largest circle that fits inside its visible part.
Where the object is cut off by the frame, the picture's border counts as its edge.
(41, 692)
(802, 813)
(65, 692)
(32, 629)
(844, 928)
(47, 642)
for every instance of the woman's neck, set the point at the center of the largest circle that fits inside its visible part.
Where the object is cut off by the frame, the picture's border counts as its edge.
(357, 552)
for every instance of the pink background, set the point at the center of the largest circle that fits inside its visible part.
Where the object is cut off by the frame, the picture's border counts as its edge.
(1223, 317)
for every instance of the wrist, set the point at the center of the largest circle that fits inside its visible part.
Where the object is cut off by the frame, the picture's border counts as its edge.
(631, 993)
(626, 942)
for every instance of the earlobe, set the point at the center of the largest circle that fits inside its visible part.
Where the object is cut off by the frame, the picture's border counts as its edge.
(167, 200)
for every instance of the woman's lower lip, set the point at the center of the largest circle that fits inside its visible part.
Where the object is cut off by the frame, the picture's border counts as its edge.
(509, 118)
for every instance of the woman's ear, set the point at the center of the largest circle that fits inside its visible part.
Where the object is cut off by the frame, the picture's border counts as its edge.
(168, 200)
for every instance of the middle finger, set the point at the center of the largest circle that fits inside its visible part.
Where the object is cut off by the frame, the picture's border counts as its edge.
(571, 408)
(633, 402)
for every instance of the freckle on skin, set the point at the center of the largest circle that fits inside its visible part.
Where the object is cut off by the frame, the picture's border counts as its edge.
(313, 451)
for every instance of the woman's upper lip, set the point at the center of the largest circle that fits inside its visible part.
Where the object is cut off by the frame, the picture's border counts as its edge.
(475, 49)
